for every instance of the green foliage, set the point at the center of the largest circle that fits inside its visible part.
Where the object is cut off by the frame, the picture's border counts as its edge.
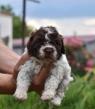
(17, 27)
(81, 95)
(6, 9)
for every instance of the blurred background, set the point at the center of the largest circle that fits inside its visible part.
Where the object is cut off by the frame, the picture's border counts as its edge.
(75, 20)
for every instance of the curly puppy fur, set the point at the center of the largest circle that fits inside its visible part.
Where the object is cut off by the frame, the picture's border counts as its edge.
(46, 43)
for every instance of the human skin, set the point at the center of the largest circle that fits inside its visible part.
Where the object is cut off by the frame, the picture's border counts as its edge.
(8, 71)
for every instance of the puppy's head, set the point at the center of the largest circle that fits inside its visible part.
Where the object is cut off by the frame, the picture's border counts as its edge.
(46, 43)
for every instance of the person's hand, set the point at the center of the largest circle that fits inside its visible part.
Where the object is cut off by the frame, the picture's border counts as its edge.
(39, 79)
(16, 69)
(18, 65)
(10, 63)
(8, 82)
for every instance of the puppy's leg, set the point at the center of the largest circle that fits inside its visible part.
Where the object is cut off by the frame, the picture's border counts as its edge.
(23, 81)
(53, 80)
(51, 85)
(61, 88)
(59, 95)
(67, 77)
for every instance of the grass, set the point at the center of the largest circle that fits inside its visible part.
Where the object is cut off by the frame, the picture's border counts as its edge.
(81, 95)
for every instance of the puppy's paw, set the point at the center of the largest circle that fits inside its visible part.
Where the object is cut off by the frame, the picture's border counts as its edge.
(56, 101)
(71, 79)
(20, 95)
(47, 95)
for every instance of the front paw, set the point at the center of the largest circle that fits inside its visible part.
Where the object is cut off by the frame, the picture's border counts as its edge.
(20, 95)
(56, 101)
(47, 95)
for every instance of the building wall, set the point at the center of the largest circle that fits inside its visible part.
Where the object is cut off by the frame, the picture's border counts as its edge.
(6, 26)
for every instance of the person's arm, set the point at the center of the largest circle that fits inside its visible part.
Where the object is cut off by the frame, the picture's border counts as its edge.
(8, 60)
(8, 83)
(40, 77)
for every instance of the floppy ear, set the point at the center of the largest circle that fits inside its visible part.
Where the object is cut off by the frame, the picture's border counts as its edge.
(62, 44)
(62, 48)
(30, 42)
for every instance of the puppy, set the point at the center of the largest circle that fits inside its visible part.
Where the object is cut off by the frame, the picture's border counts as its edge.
(45, 44)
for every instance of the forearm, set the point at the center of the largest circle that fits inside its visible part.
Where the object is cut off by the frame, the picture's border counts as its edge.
(7, 84)
(8, 59)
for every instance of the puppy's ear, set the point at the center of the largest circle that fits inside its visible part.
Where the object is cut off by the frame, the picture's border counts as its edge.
(30, 42)
(63, 47)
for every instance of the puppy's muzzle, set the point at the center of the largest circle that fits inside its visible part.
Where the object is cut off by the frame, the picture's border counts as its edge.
(48, 50)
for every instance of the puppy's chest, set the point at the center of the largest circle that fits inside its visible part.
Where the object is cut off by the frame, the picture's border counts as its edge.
(37, 64)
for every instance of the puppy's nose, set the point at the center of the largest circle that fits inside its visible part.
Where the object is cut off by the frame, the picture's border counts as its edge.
(48, 50)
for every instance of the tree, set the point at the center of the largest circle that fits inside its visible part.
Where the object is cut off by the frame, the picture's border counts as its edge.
(6, 9)
(17, 27)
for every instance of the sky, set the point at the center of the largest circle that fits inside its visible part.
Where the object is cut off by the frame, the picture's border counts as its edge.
(63, 14)
(55, 8)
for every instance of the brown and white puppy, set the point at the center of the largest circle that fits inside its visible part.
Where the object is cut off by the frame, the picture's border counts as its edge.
(45, 44)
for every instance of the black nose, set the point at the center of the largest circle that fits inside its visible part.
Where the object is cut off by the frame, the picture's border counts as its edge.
(48, 50)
